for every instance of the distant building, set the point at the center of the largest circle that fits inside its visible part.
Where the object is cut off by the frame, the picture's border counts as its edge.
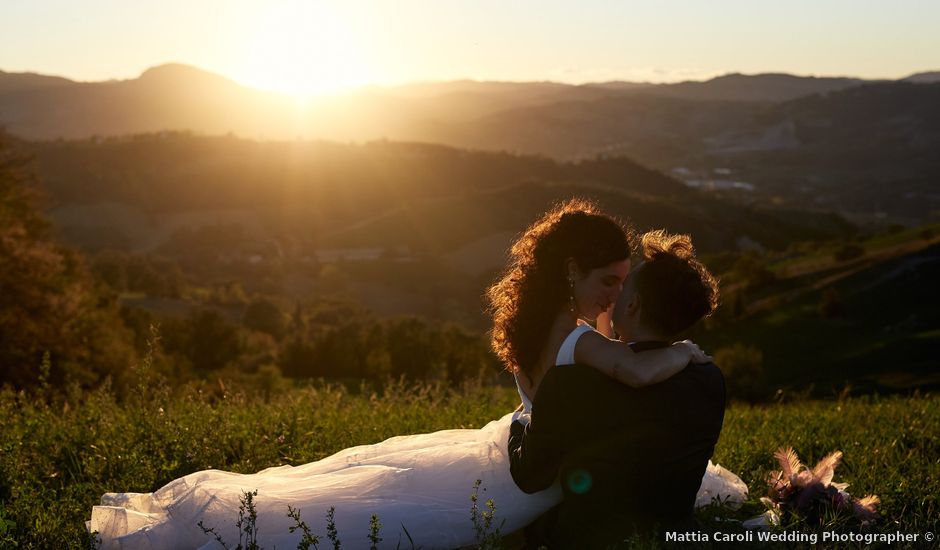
(334, 255)
(703, 179)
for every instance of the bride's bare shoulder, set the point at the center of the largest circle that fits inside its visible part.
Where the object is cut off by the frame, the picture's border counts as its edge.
(593, 348)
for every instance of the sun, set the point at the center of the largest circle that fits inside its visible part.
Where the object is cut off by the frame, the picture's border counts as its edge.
(304, 49)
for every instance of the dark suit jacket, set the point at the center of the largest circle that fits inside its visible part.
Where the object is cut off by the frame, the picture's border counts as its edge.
(627, 459)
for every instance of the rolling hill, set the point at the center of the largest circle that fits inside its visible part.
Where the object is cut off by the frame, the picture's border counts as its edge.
(862, 148)
(408, 228)
(867, 151)
(133, 193)
(866, 323)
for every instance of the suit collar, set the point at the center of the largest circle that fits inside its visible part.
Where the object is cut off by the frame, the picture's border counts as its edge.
(647, 345)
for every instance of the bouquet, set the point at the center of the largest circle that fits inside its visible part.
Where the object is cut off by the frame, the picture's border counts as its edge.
(811, 495)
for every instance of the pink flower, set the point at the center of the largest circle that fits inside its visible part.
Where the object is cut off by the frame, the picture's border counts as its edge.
(806, 492)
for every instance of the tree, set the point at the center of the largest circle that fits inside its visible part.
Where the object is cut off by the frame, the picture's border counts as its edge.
(263, 315)
(48, 301)
(211, 342)
(411, 348)
(298, 358)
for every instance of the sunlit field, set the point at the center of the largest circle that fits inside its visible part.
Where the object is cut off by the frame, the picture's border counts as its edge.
(240, 235)
(60, 451)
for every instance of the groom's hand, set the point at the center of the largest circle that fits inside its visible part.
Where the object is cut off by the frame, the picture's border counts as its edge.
(516, 429)
(697, 355)
(534, 457)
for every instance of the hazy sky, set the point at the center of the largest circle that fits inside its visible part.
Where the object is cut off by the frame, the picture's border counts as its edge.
(312, 45)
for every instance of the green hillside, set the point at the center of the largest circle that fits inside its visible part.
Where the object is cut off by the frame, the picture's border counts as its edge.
(868, 323)
(134, 193)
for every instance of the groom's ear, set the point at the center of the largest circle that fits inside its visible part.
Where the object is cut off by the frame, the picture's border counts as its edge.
(633, 308)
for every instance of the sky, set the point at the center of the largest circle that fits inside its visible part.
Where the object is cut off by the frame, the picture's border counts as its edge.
(324, 46)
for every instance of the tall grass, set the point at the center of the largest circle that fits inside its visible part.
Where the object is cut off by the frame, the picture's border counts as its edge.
(60, 451)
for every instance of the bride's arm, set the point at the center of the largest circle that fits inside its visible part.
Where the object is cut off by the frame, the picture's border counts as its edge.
(618, 361)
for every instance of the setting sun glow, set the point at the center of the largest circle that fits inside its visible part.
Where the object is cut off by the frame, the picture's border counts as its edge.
(303, 48)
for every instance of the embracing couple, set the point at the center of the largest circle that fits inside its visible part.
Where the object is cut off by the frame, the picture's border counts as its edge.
(613, 436)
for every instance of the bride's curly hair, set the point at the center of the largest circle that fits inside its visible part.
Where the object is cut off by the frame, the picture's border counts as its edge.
(534, 288)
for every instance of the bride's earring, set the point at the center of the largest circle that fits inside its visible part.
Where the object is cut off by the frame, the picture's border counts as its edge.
(572, 305)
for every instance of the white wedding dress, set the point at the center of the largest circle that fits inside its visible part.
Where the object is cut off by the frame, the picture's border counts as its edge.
(419, 483)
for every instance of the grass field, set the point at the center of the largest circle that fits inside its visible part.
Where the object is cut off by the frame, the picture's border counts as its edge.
(59, 451)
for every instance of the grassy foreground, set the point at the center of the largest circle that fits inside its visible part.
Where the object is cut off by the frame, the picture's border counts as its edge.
(59, 451)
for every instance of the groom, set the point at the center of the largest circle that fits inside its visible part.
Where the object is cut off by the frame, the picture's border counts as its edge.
(627, 459)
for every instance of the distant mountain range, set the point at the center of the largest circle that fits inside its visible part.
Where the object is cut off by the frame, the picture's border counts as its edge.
(180, 97)
(924, 78)
(861, 147)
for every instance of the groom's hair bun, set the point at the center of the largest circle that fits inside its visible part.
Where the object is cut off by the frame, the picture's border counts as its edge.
(675, 289)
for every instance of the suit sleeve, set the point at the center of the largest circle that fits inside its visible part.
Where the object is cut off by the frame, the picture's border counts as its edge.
(536, 451)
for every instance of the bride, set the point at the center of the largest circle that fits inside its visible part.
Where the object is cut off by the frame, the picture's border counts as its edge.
(569, 265)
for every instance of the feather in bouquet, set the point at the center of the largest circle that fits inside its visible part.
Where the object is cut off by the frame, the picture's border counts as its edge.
(811, 495)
